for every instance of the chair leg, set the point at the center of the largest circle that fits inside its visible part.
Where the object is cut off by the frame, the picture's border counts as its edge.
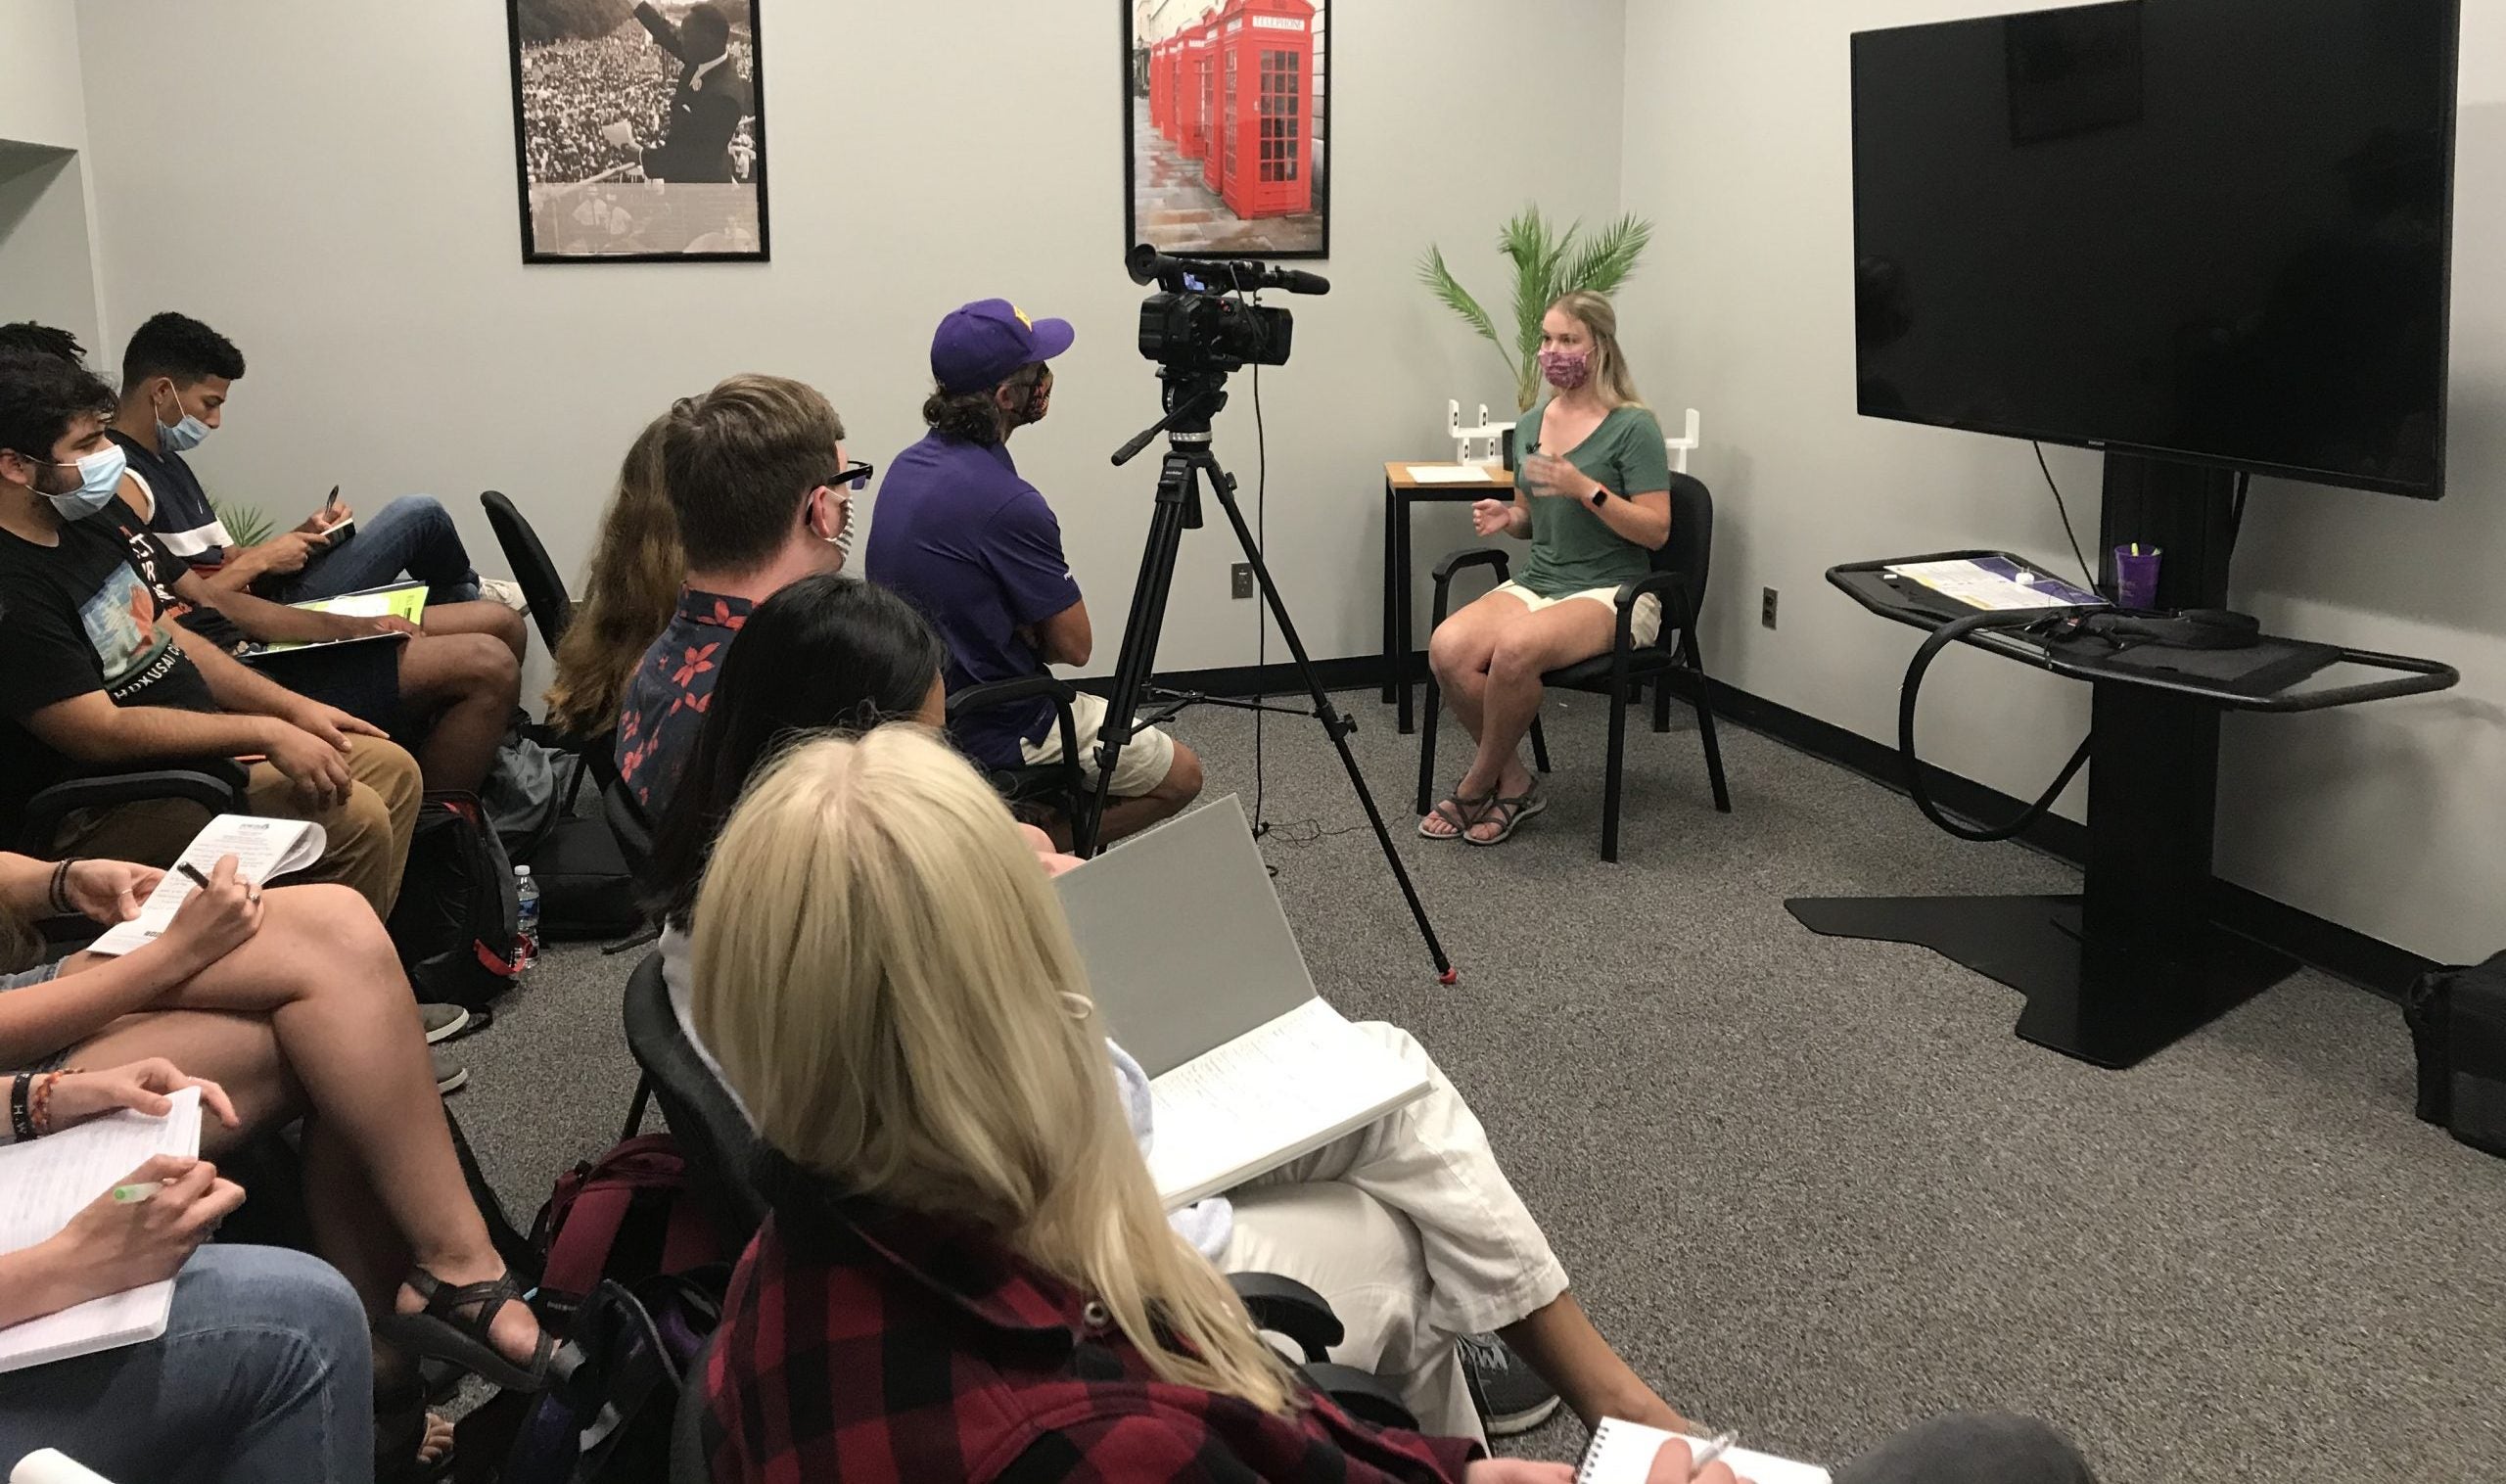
(1661, 703)
(1612, 770)
(635, 1109)
(1539, 744)
(1713, 750)
(1434, 700)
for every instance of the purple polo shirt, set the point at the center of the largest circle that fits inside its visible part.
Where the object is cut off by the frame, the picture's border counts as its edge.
(959, 535)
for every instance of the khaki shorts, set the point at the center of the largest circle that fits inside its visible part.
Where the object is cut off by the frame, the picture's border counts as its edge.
(1148, 757)
(1646, 627)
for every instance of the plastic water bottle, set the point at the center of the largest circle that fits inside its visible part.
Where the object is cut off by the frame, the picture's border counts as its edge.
(525, 947)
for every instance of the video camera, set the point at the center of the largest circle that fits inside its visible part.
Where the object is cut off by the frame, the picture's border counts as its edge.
(1190, 326)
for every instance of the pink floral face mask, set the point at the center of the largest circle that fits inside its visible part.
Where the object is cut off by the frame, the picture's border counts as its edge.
(1566, 369)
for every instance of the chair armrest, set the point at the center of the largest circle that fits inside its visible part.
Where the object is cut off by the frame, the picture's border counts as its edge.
(1456, 561)
(1283, 1306)
(1472, 556)
(1363, 1395)
(1671, 588)
(215, 784)
(1009, 692)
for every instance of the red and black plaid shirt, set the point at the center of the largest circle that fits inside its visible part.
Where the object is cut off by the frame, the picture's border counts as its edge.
(867, 1344)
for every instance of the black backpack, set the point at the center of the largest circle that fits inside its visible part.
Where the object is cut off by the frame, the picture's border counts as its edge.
(2458, 1021)
(456, 920)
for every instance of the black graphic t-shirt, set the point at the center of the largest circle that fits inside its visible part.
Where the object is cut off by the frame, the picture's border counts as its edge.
(77, 618)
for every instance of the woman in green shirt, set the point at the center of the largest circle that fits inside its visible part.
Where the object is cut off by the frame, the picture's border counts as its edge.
(1592, 496)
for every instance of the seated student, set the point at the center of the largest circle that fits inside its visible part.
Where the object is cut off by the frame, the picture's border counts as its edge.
(97, 678)
(968, 1273)
(454, 691)
(1437, 1222)
(1594, 500)
(291, 1000)
(264, 1369)
(629, 593)
(974, 547)
(756, 473)
(176, 375)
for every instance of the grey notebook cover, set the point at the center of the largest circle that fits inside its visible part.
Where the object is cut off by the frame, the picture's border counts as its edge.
(1184, 943)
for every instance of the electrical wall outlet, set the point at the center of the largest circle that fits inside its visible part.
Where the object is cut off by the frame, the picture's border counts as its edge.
(1239, 581)
(1766, 606)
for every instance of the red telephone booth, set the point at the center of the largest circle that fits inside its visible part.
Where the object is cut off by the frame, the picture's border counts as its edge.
(1157, 94)
(1194, 103)
(1260, 161)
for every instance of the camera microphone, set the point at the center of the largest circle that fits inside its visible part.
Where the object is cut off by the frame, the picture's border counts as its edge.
(1146, 265)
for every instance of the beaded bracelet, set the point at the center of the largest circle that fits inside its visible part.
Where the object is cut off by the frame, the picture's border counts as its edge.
(21, 1122)
(39, 1107)
(60, 903)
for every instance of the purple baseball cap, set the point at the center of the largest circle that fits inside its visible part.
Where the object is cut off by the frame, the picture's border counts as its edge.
(980, 344)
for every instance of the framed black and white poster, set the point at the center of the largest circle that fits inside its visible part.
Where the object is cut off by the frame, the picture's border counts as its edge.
(1226, 112)
(639, 130)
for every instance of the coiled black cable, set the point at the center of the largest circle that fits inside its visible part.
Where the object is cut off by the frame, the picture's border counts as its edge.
(1907, 694)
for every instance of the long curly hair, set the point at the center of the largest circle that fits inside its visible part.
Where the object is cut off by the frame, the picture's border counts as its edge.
(632, 589)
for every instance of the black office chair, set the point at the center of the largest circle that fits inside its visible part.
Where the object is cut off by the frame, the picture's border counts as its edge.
(1671, 661)
(552, 608)
(215, 784)
(1047, 787)
(719, 1145)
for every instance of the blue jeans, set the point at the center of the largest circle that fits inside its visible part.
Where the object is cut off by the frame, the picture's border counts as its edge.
(414, 533)
(266, 1372)
(1972, 1448)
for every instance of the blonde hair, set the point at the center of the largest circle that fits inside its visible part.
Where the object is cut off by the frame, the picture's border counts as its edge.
(888, 980)
(1596, 314)
(630, 593)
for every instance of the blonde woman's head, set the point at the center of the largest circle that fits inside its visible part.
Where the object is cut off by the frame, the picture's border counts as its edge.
(885, 974)
(1583, 324)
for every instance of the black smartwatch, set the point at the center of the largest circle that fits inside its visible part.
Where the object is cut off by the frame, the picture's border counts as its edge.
(1600, 495)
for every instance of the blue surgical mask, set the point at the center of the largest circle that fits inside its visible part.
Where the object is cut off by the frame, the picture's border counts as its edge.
(182, 437)
(99, 476)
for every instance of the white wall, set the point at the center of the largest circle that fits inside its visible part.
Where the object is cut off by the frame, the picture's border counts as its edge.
(348, 215)
(41, 102)
(2386, 818)
(48, 266)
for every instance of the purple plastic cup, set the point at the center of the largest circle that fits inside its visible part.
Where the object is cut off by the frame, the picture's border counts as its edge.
(2136, 577)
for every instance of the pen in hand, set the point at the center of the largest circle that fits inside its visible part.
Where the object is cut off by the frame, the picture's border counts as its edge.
(1715, 1448)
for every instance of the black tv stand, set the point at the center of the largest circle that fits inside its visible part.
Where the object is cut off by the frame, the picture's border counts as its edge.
(2134, 961)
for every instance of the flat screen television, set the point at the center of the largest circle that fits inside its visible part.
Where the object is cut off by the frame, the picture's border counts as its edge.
(2215, 231)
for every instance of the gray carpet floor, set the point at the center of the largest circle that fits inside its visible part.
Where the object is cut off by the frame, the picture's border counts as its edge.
(1815, 1188)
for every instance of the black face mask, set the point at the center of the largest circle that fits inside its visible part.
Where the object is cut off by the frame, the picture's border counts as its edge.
(1032, 410)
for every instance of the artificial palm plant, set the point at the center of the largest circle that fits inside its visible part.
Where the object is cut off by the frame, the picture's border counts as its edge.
(1546, 264)
(246, 525)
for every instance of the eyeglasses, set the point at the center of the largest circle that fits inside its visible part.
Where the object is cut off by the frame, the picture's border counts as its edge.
(852, 476)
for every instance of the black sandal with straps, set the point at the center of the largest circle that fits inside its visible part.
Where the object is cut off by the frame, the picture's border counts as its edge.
(456, 1325)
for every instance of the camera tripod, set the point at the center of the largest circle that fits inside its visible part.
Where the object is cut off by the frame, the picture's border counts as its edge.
(1191, 400)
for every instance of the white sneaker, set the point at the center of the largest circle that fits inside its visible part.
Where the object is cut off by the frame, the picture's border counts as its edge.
(506, 591)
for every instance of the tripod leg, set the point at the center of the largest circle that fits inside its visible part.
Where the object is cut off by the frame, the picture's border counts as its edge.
(1140, 631)
(1334, 725)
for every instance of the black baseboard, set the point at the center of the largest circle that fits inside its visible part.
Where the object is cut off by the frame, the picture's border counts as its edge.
(2344, 954)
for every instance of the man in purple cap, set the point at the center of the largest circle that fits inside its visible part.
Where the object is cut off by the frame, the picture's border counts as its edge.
(962, 537)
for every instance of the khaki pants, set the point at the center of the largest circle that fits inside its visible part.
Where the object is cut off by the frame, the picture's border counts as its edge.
(1414, 1235)
(368, 832)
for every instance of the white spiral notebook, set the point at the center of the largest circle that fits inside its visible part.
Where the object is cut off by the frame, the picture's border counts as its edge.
(1622, 1453)
(52, 1179)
